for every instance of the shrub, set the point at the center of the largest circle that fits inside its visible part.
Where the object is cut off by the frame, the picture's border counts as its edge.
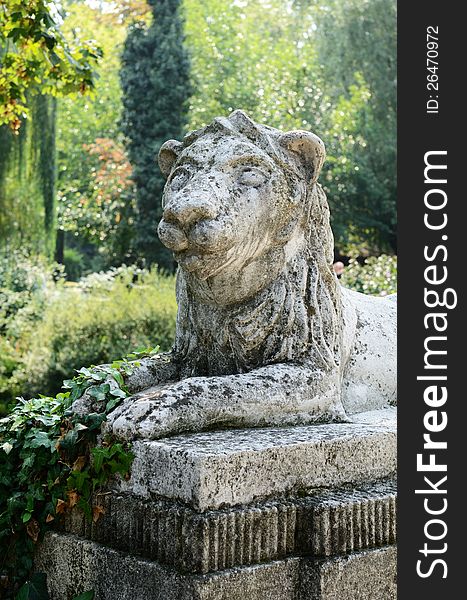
(23, 279)
(376, 276)
(50, 465)
(26, 285)
(85, 325)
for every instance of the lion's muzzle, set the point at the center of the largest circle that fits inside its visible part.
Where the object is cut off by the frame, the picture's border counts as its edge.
(181, 217)
(184, 211)
(194, 223)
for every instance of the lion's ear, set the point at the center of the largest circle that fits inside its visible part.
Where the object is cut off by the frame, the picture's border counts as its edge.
(168, 154)
(308, 148)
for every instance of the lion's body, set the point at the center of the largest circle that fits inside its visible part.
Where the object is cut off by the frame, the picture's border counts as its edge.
(265, 334)
(370, 365)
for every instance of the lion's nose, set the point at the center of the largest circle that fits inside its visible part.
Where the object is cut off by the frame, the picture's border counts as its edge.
(172, 236)
(184, 212)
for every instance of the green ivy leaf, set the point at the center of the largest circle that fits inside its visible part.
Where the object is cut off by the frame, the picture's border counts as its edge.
(93, 420)
(84, 371)
(40, 438)
(98, 459)
(99, 392)
(29, 461)
(118, 393)
(34, 589)
(7, 447)
(112, 403)
(68, 442)
(118, 378)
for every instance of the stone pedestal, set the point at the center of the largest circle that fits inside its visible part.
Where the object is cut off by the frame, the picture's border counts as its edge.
(299, 513)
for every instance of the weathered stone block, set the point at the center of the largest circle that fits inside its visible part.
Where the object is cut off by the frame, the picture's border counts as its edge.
(75, 565)
(227, 468)
(324, 523)
(285, 513)
(369, 575)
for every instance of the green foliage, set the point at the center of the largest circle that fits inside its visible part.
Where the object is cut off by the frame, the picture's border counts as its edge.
(85, 596)
(104, 214)
(24, 281)
(50, 463)
(377, 276)
(44, 142)
(98, 225)
(156, 88)
(356, 43)
(329, 67)
(34, 589)
(101, 318)
(26, 284)
(27, 180)
(260, 60)
(74, 264)
(35, 56)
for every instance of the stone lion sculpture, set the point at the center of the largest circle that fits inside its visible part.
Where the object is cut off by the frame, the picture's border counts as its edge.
(265, 333)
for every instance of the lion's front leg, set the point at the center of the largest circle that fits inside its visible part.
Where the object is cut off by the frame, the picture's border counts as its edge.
(279, 394)
(145, 373)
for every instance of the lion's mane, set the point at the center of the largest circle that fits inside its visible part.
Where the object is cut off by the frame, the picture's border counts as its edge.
(297, 318)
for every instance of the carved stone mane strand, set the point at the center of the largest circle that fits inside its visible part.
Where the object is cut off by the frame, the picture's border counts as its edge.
(298, 317)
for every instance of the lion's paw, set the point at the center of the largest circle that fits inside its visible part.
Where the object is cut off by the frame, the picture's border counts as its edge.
(157, 412)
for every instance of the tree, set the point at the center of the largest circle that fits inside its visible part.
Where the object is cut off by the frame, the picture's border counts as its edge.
(258, 60)
(37, 64)
(324, 66)
(156, 87)
(356, 42)
(82, 124)
(36, 58)
(27, 180)
(104, 215)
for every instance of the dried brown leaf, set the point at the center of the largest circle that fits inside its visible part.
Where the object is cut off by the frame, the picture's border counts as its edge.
(33, 530)
(79, 463)
(97, 512)
(61, 506)
(73, 498)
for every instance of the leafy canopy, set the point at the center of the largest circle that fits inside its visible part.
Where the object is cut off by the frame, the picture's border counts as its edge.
(35, 56)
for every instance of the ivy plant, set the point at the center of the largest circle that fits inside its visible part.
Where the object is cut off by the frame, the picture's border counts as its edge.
(50, 463)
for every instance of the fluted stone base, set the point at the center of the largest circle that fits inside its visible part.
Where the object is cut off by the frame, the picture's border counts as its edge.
(322, 524)
(305, 513)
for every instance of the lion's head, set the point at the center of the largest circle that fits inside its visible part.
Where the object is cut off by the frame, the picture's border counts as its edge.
(242, 211)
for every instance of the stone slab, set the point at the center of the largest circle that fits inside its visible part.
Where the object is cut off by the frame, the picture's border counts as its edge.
(324, 523)
(227, 468)
(370, 575)
(74, 565)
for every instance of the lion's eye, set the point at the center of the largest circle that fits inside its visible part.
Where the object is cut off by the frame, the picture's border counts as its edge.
(251, 177)
(179, 179)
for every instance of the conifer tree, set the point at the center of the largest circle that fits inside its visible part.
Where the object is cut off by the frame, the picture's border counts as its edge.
(156, 87)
